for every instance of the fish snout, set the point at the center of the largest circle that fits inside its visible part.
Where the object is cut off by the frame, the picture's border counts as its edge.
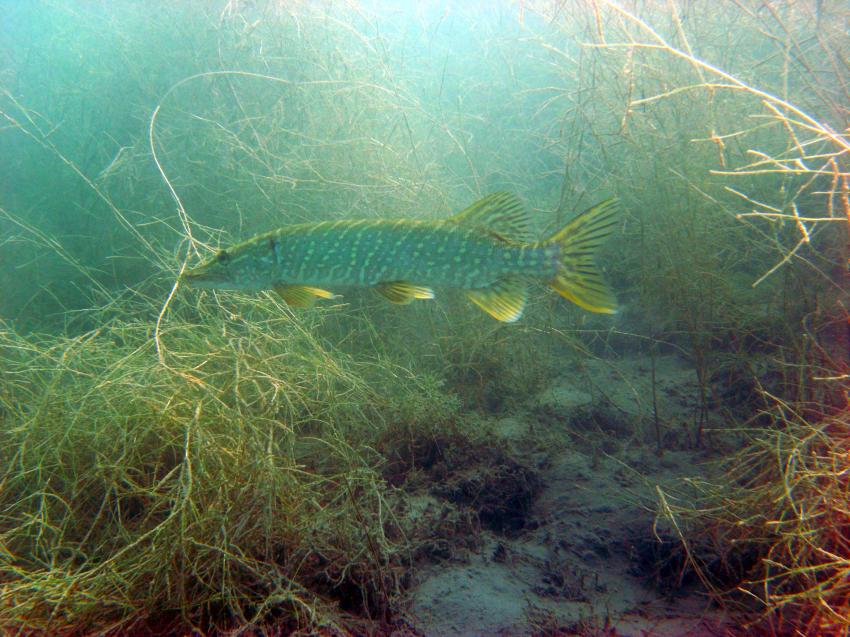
(198, 277)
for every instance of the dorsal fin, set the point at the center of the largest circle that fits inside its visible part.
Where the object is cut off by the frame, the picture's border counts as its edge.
(499, 213)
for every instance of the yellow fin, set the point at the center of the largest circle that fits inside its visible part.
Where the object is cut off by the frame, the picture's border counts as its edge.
(587, 290)
(302, 295)
(579, 279)
(402, 292)
(500, 213)
(504, 300)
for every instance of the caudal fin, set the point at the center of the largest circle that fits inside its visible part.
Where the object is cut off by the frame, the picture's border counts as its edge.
(579, 278)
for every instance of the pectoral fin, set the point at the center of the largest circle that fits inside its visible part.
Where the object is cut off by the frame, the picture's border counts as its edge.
(504, 300)
(402, 292)
(302, 295)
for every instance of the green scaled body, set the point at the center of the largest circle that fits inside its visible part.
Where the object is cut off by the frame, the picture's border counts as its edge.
(484, 250)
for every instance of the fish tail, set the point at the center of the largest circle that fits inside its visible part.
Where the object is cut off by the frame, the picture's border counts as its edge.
(579, 279)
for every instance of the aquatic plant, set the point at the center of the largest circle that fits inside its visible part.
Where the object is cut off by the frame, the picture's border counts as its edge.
(772, 526)
(210, 460)
(233, 488)
(759, 149)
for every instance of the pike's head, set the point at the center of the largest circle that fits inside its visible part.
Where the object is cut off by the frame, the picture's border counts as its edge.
(246, 266)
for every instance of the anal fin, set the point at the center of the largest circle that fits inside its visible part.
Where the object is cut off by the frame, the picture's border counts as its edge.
(402, 292)
(302, 295)
(504, 300)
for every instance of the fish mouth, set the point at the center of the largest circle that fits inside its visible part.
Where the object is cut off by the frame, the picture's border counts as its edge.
(199, 278)
(203, 277)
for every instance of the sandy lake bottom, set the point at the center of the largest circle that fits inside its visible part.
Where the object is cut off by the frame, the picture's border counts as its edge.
(580, 559)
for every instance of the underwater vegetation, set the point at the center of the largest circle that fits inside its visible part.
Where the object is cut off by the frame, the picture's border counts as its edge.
(184, 452)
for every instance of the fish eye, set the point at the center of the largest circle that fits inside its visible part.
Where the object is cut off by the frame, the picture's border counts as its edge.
(222, 257)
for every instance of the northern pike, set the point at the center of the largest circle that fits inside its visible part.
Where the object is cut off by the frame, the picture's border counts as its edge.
(485, 250)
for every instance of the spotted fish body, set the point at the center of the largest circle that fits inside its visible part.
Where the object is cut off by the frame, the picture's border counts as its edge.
(484, 250)
(368, 252)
